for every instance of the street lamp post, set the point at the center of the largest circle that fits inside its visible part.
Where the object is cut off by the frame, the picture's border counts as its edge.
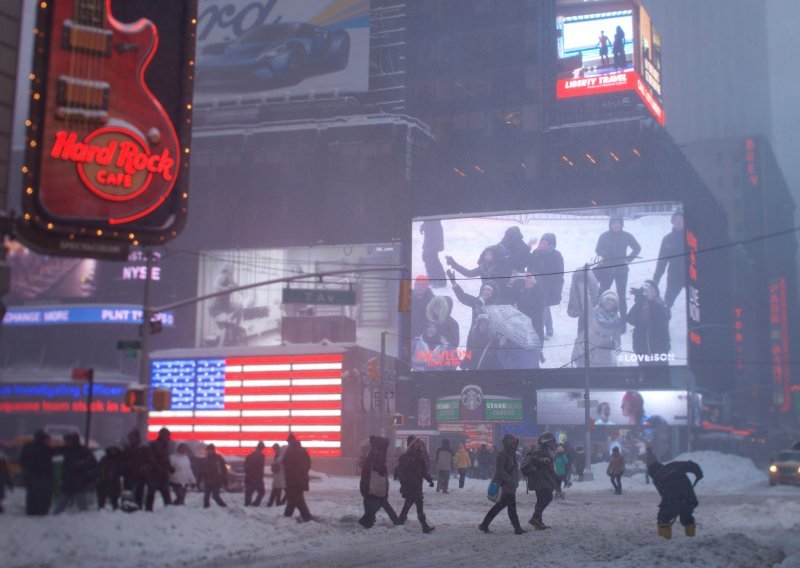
(587, 475)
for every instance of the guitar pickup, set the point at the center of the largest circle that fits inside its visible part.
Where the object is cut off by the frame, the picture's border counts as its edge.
(82, 115)
(83, 94)
(86, 39)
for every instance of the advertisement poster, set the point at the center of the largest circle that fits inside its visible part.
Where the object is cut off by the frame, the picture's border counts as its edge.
(505, 290)
(613, 408)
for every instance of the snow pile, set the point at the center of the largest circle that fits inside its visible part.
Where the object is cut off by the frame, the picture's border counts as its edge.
(725, 473)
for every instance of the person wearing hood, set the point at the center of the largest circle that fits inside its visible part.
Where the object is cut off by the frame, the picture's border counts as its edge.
(678, 499)
(612, 247)
(481, 347)
(109, 484)
(493, 264)
(429, 351)
(183, 476)
(605, 330)
(444, 465)
(78, 472)
(278, 478)
(506, 476)
(412, 468)
(540, 471)
(547, 265)
(616, 469)
(421, 295)
(36, 462)
(432, 245)
(296, 466)
(159, 470)
(516, 248)
(463, 463)
(254, 476)
(672, 260)
(650, 317)
(374, 485)
(215, 476)
(135, 465)
(440, 310)
(488, 296)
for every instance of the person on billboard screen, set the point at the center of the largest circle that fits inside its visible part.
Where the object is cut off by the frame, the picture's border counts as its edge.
(225, 311)
(429, 351)
(605, 330)
(493, 263)
(603, 415)
(602, 43)
(612, 248)
(487, 296)
(671, 259)
(421, 295)
(517, 250)
(439, 310)
(432, 245)
(620, 61)
(547, 265)
(649, 317)
(481, 346)
(529, 297)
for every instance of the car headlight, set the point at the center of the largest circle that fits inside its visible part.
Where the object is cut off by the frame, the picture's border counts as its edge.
(773, 468)
(798, 470)
(228, 467)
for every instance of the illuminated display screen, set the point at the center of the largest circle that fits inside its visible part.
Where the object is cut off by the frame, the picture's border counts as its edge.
(63, 315)
(16, 398)
(515, 300)
(238, 401)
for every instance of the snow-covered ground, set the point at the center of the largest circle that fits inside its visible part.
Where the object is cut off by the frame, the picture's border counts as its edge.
(741, 522)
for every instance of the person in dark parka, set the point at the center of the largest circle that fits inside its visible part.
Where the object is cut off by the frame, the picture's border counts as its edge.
(296, 466)
(678, 499)
(612, 247)
(412, 468)
(215, 476)
(672, 260)
(493, 264)
(135, 465)
(650, 317)
(374, 485)
(516, 248)
(538, 467)
(158, 470)
(78, 473)
(5, 481)
(254, 476)
(547, 265)
(432, 245)
(421, 296)
(506, 475)
(109, 484)
(36, 461)
(440, 310)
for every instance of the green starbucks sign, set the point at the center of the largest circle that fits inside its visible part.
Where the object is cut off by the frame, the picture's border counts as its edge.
(503, 409)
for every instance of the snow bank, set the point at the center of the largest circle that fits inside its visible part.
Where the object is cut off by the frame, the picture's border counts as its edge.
(725, 473)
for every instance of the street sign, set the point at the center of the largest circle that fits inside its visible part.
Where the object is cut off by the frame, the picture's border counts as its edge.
(82, 374)
(315, 296)
(130, 345)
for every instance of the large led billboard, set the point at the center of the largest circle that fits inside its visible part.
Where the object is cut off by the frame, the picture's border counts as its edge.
(504, 290)
(236, 402)
(265, 316)
(277, 48)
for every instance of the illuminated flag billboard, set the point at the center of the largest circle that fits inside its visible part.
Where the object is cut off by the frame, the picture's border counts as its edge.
(235, 402)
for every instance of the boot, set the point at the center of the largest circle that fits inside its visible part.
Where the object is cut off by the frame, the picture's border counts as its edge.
(426, 528)
(484, 528)
(401, 520)
(518, 530)
(538, 524)
(690, 530)
(665, 530)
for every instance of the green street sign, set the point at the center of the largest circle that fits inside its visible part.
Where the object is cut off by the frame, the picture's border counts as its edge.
(316, 296)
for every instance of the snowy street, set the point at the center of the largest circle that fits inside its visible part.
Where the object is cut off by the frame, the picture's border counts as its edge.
(741, 521)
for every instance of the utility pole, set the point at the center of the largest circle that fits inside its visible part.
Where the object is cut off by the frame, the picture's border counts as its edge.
(144, 352)
(587, 475)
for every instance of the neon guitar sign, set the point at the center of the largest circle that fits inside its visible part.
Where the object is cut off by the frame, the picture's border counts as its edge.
(104, 153)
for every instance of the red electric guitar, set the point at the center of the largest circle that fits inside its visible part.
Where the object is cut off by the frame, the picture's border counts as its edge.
(110, 153)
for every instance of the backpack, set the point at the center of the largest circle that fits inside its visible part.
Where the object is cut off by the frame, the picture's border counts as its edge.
(528, 467)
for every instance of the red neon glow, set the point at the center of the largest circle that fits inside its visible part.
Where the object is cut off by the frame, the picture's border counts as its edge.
(647, 97)
(235, 429)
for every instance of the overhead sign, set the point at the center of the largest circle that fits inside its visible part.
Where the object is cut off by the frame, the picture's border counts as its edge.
(318, 296)
(61, 315)
(110, 125)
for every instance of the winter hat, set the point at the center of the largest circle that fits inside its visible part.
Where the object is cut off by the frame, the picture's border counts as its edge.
(260, 446)
(491, 285)
(422, 279)
(444, 309)
(609, 294)
(550, 238)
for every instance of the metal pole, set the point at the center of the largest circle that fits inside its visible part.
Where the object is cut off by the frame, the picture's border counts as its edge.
(89, 400)
(587, 475)
(382, 386)
(144, 353)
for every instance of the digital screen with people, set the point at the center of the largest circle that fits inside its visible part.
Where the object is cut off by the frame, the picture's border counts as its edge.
(620, 409)
(505, 291)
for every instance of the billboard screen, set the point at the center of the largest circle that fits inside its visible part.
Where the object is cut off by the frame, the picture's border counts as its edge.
(279, 48)
(613, 408)
(511, 297)
(264, 316)
(235, 402)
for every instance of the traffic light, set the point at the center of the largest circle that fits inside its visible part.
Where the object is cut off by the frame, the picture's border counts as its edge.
(372, 368)
(398, 420)
(135, 399)
(404, 301)
(162, 399)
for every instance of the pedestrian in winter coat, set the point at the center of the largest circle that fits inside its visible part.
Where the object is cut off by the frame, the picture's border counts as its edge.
(547, 265)
(605, 330)
(296, 463)
(412, 468)
(488, 295)
(159, 470)
(135, 465)
(506, 476)
(374, 485)
(649, 317)
(493, 264)
(481, 346)
(278, 478)
(678, 499)
(560, 463)
(109, 484)
(516, 248)
(538, 467)
(615, 470)
(215, 476)
(182, 475)
(5, 481)
(671, 254)
(440, 310)
(612, 247)
(462, 460)
(254, 476)
(444, 464)
(421, 295)
(432, 245)
(78, 473)
(580, 462)
(36, 461)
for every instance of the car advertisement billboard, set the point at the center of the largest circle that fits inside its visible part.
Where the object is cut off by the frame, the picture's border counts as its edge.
(277, 48)
(307, 311)
(511, 295)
